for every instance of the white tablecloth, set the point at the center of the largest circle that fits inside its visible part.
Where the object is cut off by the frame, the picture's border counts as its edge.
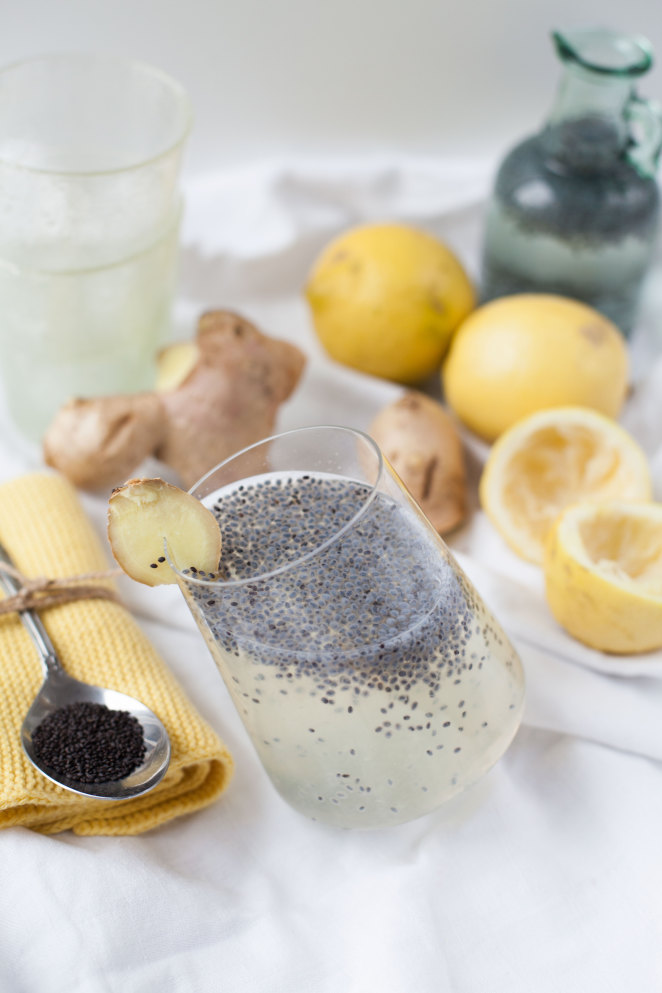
(546, 877)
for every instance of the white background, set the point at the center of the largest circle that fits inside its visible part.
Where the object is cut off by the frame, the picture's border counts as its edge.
(546, 878)
(281, 78)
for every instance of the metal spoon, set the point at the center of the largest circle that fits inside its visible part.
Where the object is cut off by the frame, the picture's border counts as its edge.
(59, 689)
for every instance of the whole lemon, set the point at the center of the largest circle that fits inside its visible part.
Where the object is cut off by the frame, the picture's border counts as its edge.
(386, 298)
(527, 352)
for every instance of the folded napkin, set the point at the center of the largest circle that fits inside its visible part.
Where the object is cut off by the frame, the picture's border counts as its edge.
(46, 532)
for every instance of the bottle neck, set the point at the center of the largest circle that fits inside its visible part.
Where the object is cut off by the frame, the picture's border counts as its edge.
(587, 128)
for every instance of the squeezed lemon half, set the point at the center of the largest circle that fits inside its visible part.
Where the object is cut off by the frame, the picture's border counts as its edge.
(603, 575)
(551, 460)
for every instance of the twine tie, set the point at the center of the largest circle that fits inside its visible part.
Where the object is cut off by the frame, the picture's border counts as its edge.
(42, 592)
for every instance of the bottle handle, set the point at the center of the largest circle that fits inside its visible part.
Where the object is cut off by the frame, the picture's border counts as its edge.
(644, 116)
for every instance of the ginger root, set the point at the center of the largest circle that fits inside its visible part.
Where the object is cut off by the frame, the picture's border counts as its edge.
(213, 396)
(420, 440)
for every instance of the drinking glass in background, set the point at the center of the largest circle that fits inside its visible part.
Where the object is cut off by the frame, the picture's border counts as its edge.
(90, 156)
(371, 678)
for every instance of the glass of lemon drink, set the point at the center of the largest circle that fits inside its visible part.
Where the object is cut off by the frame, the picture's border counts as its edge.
(371, 678)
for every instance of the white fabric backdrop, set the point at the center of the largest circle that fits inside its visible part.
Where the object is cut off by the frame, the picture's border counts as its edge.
(545, 877)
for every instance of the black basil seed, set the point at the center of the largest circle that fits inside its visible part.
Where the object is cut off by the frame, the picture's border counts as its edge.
(89, 742)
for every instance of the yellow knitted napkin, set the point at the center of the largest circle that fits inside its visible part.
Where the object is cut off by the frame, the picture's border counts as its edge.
(45, 530)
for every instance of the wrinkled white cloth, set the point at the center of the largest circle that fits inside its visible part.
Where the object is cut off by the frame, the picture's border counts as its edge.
(546, 876)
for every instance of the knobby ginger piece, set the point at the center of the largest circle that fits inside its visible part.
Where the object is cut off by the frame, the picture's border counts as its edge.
(229, 397)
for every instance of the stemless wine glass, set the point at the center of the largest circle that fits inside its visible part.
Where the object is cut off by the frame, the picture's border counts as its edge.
(372, 680)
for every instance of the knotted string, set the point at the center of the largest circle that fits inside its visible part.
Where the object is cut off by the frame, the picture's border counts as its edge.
(41, 592)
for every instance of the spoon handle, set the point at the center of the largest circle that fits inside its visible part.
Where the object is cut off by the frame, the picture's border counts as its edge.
(31, 621)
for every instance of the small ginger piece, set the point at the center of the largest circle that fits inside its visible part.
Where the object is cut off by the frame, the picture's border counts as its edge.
(214, 396)
(97, 442)
(146, 516)
(420, 440)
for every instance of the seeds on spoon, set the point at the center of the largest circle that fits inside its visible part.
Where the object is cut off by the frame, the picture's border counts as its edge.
(89, 743)
(144, 515)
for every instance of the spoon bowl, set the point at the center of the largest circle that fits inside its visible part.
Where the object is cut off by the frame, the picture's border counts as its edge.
(59, 689)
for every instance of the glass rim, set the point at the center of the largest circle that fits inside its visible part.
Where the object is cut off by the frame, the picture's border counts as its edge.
(170, 83)
(568, 45)
(186, 578)
(11, 268)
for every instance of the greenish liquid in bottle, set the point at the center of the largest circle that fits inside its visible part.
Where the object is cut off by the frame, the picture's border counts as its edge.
(573, 211)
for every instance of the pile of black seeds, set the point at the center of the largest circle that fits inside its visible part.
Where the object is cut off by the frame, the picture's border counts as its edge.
(89, 742)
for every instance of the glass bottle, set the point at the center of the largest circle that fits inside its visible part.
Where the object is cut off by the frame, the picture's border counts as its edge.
(575, 207)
